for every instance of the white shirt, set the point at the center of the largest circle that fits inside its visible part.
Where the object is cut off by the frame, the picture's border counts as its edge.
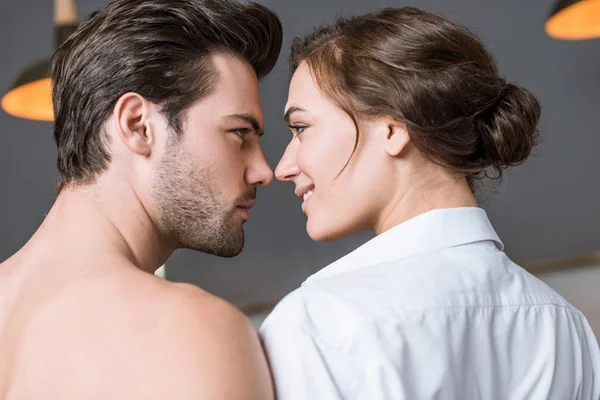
(431, 309)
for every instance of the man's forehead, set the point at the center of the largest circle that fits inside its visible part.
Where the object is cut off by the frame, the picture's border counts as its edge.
(222, 105)
(234, 93)
(236, 89)
(232, 72)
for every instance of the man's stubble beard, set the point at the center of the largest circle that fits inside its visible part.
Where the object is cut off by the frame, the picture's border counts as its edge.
(191, 209)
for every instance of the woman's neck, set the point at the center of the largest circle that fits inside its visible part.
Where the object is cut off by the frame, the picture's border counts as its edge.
(439, 190)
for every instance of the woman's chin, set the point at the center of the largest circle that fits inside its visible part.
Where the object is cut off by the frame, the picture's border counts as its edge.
(322, 232)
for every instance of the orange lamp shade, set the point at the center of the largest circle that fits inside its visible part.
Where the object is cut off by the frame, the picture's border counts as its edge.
(574, 20)
(31, 94)
(31, 101)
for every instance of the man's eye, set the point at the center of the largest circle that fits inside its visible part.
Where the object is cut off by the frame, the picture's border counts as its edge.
(241, 132)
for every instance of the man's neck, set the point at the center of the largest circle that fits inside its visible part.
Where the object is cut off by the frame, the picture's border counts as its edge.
(101, 219)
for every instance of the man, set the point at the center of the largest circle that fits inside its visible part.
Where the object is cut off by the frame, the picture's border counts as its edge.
(157, 121)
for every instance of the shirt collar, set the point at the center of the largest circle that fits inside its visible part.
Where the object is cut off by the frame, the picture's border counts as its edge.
(433, 230)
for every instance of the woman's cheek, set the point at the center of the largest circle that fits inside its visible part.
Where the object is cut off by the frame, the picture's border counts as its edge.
(305, 159)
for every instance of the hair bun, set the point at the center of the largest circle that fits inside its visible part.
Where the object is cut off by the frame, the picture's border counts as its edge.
(508, 128)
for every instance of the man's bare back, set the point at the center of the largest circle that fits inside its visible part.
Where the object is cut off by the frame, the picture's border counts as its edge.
(87, 328)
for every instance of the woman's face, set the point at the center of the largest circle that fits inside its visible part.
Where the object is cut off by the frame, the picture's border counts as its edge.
(337, 203)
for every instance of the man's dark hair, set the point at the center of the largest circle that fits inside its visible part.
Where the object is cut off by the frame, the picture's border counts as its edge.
(157, 48)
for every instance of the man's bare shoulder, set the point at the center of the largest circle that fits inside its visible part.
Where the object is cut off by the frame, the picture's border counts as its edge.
(187, 310)
(136, 336)
(190, 342)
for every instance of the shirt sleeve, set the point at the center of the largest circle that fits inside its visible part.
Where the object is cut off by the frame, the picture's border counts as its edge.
(302, 366)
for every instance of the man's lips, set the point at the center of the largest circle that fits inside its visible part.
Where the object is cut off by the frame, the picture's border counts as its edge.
(247, 204)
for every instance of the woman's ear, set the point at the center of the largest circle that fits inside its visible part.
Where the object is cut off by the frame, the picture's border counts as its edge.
(397, 137)
(132, 117)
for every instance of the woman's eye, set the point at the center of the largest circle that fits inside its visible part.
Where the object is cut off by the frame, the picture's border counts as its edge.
(297, 130)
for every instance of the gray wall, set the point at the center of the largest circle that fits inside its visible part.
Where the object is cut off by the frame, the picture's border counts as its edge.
(548, 207)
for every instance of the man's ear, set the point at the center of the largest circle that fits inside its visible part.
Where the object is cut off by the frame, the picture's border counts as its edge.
(397, 137)
(132, 117)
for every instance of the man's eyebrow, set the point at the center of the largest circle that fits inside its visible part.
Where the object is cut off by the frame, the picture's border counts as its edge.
(290, 111)
(249, 118)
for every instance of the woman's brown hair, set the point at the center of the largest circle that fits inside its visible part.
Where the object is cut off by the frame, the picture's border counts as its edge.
(434, 76)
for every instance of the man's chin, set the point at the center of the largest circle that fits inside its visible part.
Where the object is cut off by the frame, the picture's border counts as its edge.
(220, 242)
(229, 252)
(236, 250)
(227, 248)
(229, 255)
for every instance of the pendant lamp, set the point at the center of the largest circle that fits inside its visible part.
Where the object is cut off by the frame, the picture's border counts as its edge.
(30, 95)
(574, 20)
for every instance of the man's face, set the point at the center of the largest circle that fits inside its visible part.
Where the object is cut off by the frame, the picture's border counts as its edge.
(206, 182)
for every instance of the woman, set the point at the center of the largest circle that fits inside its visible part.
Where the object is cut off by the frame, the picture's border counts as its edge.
(395, 115)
